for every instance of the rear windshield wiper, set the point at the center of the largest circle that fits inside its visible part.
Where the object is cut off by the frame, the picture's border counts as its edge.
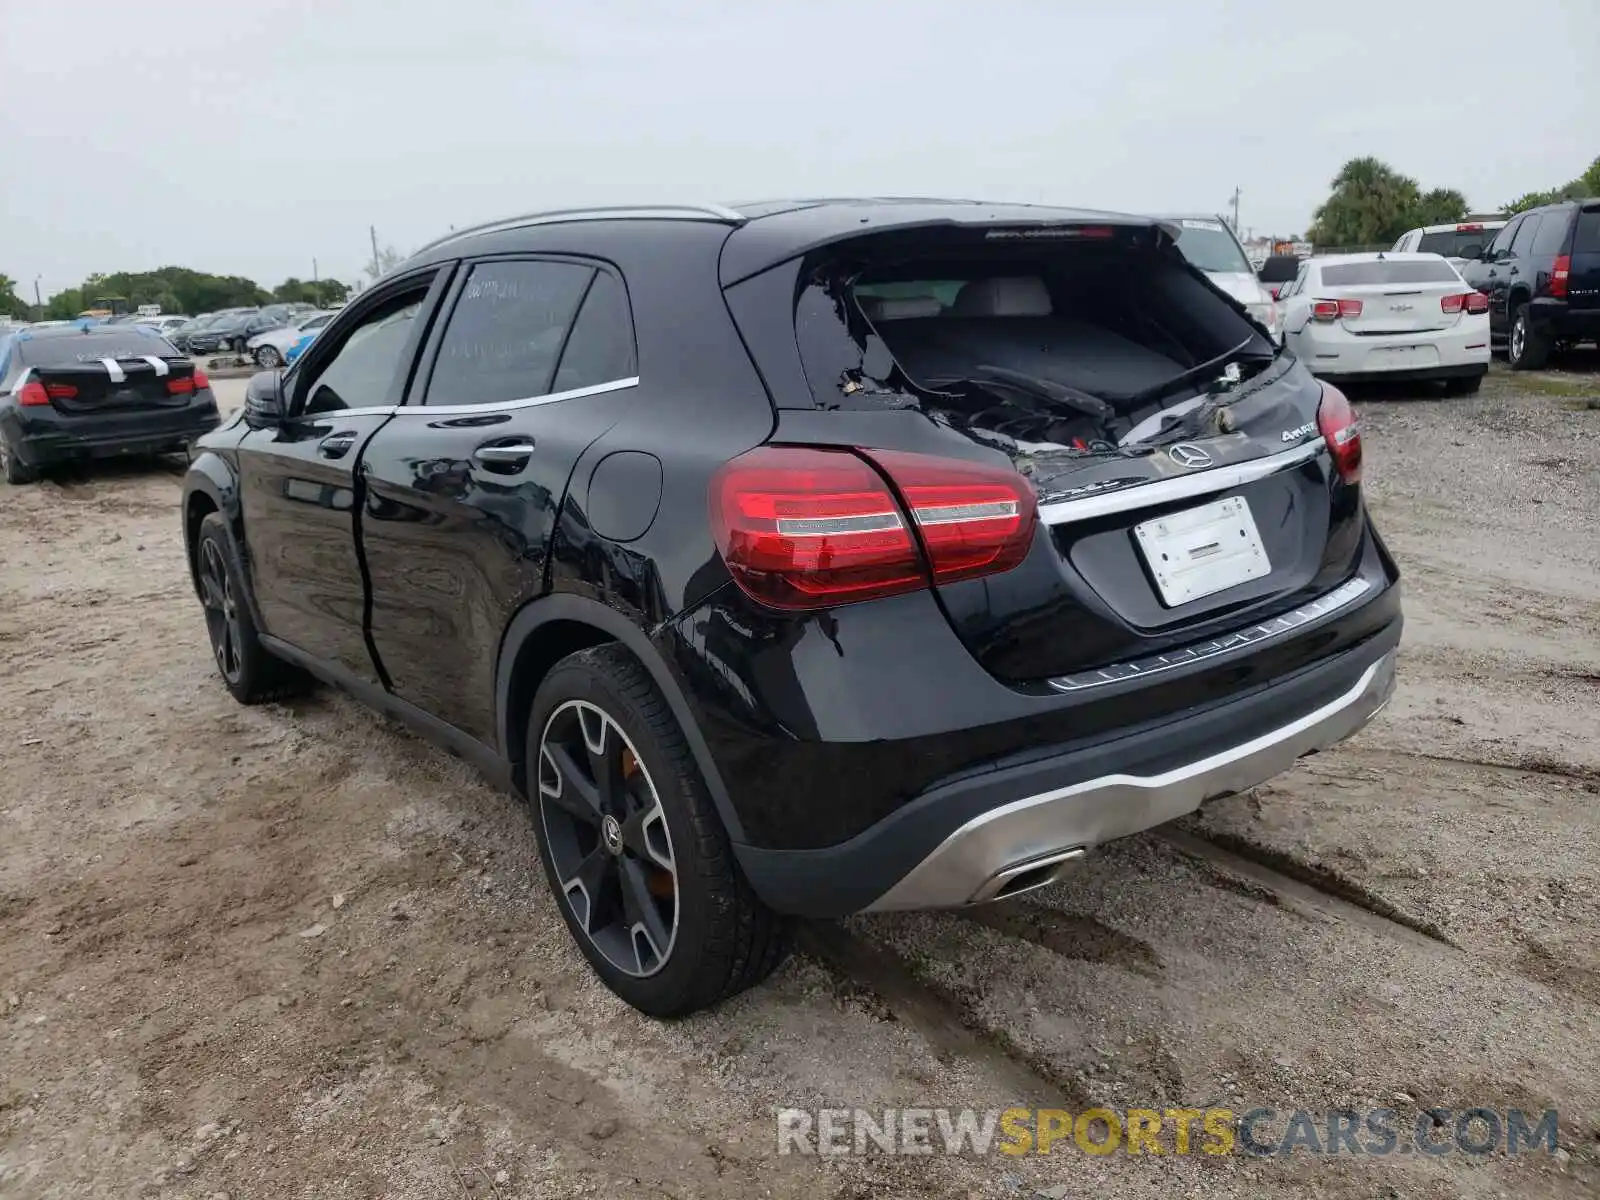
(988, 376)
(1192, 375)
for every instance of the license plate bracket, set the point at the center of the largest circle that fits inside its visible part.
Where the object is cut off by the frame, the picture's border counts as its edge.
(1203, 550)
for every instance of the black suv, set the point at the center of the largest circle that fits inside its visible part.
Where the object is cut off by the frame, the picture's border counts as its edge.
(810, 558)
(1542, 276)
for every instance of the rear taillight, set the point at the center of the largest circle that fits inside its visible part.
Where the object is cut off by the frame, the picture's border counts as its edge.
(1332, 310)
(182, 385)
(1560, 273)
(60, 391)
(803, 527)
(32, 394)
(1472, 302)
(1337, 422)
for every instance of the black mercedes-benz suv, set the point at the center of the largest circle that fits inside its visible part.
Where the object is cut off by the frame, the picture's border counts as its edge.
(809, 557)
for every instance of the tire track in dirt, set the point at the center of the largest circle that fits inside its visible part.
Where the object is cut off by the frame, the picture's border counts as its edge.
(1327, 893)
(941, 1019)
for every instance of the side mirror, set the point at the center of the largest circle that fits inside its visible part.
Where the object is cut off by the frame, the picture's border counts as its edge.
(265, 405)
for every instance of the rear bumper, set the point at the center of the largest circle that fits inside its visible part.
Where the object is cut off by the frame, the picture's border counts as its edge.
(1419, 374)
(1333, 353)
(1023, 843)
(43, 437)
(992, 834)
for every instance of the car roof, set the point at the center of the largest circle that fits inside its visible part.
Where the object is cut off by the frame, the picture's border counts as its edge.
(1461, 226)
(764, 233)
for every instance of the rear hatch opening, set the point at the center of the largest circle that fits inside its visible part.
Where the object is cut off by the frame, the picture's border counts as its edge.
(1179, 458)
(1090, 353)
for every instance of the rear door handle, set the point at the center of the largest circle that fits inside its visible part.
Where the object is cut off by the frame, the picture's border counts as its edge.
(504, 454)
(336, 445)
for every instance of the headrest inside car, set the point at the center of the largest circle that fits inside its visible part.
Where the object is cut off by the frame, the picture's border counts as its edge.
(888, 308)
(1004, 296)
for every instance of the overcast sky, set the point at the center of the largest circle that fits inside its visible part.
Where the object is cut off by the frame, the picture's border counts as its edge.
(249, 136)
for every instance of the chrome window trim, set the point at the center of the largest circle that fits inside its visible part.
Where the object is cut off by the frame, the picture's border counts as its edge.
(1342, 596)
(595, 389)
(1183, 487)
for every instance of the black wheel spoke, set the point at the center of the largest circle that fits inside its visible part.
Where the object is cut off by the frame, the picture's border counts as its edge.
(593, 890)
(643, 915)
(570, 789)
(604, 750)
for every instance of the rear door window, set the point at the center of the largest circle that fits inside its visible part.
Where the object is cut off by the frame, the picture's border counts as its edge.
(1360, 274)
(507, 331)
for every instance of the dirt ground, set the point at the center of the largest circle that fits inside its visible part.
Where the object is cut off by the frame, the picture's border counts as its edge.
(294, 952)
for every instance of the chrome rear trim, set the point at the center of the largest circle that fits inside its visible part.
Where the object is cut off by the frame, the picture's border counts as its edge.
(1182, 487)
(1274, 627)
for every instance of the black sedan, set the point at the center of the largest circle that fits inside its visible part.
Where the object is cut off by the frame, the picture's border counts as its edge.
(71, 394)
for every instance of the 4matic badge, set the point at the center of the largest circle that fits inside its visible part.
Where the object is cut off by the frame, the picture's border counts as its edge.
(1294, 435)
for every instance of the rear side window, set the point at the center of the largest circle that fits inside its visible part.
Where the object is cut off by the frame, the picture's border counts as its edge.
(1552, 239)
(1377, 273)
(1523, 242)
(600, 347)
(1587, 238)
(506, 332)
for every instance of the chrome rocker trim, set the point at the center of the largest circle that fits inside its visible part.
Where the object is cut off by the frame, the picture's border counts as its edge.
(1027, 843)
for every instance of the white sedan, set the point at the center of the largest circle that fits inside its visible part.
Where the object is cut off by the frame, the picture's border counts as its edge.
(269, 349)
(1366, 317)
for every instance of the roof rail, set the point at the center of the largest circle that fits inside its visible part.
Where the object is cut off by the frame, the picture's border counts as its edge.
(610, 212)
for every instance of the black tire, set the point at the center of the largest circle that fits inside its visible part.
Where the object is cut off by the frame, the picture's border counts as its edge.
(1463, 385)
(268, 358)
(16, 472)
(251, 672)
(722, 939)
(1526, 349)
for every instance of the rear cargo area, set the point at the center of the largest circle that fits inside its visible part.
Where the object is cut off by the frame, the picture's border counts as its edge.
(1177, 454)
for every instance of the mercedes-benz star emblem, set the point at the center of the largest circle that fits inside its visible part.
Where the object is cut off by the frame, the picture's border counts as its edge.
(1187, 454)
(611, 834)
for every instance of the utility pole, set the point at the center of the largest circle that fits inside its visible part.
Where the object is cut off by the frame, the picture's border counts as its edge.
(38, 304)
(373, 230)
(1236, 210)
(313, 270)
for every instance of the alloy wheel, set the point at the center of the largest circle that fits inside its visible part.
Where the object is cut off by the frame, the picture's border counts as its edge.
(267, 358)
(606, 834)
(1519, 338)
(222, 611)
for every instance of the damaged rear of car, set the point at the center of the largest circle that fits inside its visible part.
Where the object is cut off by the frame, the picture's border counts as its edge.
(1105, 538)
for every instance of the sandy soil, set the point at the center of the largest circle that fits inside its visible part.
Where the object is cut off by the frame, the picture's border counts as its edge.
(293, 952)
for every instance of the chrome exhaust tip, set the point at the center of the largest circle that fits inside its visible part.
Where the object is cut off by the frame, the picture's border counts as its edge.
(1026, 876)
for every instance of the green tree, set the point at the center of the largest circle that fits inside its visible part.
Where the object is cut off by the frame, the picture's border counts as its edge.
(324, 293)
(10, 304)
(1437, 206)
(1370, 202)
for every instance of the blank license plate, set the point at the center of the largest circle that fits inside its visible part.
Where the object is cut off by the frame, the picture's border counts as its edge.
(1203, 550)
